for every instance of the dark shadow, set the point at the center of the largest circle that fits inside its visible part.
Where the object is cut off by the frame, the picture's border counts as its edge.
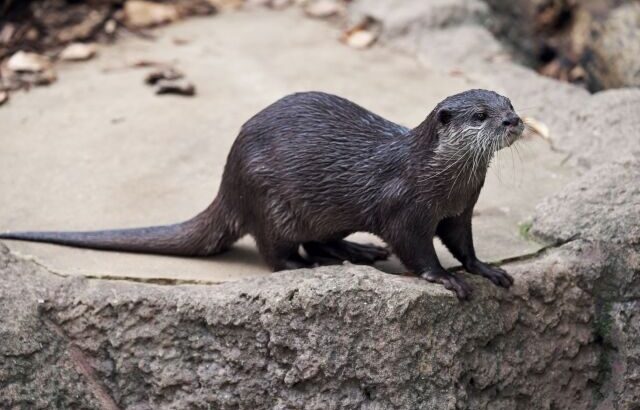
(245, 254)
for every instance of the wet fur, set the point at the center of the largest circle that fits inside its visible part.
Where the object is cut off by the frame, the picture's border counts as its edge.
(313, 168)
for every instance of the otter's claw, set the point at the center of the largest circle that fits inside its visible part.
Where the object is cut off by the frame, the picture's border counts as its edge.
(450, 282)
(496, 275)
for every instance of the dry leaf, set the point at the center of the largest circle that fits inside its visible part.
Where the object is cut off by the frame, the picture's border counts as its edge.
(140, 13)
(258, 3)
(180, 41)
(280, 4)
(78, 52)
(110, 26)
(168, 73)
(7, 33)
(323, 8)
(577, 73)
(79, 29)
(46, 77)
(25, 62)
(178, 87)
(361, 39)
(226, 4)
(538, 128)
(4, 97)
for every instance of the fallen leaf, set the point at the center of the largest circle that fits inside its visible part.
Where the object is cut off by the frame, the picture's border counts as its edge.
(140, 13)
(537, 127)
(499, 57)
(148, 63)
(258, 3)
(279, 4)
(361, 39)
(180, 41)
(83, 28)
(25, 62)
(4, 97)
(45, 77)
(323, 8)
(177, 87)
(27, 68)
(577, 73)
(32, 34)
(7, 33)
(78, 52)
(110, 26)
(226, 4)
(167, 73)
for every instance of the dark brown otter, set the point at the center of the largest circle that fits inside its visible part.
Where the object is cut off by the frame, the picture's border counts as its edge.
(312, 168)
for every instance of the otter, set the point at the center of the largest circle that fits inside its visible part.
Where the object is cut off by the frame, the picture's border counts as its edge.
(312, 168)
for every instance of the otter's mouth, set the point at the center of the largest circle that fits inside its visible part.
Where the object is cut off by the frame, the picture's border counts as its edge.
(512, 135)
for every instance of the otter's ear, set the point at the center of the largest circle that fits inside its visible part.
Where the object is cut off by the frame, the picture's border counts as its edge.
(444, 116)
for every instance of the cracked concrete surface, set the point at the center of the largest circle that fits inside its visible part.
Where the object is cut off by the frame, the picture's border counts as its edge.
(565, 336)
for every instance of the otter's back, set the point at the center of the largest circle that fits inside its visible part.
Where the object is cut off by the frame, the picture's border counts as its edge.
(314, 151)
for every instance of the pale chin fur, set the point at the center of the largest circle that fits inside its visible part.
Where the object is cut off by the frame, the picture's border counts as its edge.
(511, 137)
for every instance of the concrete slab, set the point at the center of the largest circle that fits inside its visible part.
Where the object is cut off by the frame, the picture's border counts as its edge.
(99, 150)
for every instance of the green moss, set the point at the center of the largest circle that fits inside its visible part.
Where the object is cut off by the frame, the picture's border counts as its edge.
(603, 321)
(524, 228)
(602, 325)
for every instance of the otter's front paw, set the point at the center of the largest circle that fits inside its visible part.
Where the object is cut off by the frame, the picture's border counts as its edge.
(449, 281)
(496, 275)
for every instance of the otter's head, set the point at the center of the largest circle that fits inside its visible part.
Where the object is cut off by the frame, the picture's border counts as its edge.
(478, 120)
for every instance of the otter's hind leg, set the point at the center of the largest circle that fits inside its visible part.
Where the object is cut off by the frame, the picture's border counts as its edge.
(281, 255)
(343, 250)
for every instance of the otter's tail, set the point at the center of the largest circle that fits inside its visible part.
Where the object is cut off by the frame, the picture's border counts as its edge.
(210, 232)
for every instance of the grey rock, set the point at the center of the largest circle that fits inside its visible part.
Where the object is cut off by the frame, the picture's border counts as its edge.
(515, 21)
(37, 368)
(612, 54)
(621, 331)
(428, 26)
(330, 338)
(603, 128)
(603, 205)
(402, 17)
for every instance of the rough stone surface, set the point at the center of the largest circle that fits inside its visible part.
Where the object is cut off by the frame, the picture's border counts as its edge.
(623, 335)
(603, 205)
(604, 128)
(36, 367)
(404, 17)
(612, 56)
(328, 338)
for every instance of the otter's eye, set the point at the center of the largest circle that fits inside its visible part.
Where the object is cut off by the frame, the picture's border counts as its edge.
(480, 116)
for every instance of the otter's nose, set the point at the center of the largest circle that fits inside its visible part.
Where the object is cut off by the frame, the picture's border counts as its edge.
(511, 120)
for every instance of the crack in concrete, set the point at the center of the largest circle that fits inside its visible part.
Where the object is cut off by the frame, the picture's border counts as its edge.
(154, 281)
(175, 282)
